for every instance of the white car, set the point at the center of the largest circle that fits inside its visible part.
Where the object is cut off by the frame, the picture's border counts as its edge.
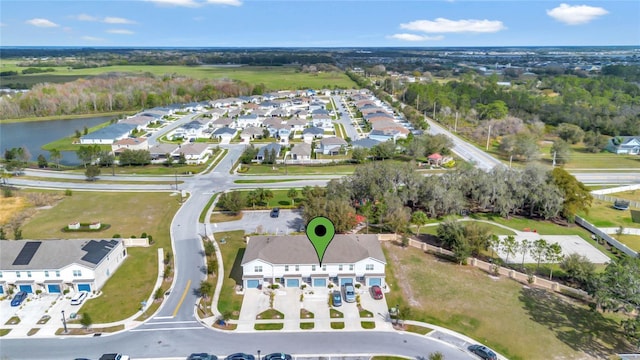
(78, 298)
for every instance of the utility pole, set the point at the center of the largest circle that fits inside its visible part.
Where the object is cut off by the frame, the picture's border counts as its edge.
(434, 110)
(418, 102)
(554, 159)
(64, 322)
(488, 136)
(455, 126)
(510, 160)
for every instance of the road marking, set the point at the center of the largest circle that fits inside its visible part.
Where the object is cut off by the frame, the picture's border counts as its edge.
(162, 317)
(184, 295)
(170, 322)
(169, 328)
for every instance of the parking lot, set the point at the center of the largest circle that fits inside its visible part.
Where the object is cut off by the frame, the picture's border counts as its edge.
(261, 222)
(314, 300)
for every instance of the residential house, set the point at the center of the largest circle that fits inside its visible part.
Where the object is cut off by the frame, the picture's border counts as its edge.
(317, 105)
(222, 122)
(140, 122)
(385, 135)
(309, 134)
(274, 121)
(129, 143)
(624, 145)
(366, 143)
(108, 135)
(266, 150)
(192, 130)
(225, 134)
(322, 121)
(292, 261)
(159, 151)
(251, 133)
(331, 145)
(245, 121)
(301, 151)
(297, 124)
(195, 153)
(53, 266)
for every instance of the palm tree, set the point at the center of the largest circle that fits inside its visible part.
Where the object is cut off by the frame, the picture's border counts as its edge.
(55, 156)
(292, 194)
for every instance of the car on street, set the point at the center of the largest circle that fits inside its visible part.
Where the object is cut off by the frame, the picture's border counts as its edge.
(336, 298)
(18, 298)
(376, 292)
(240, 356)
(483, 352)
(202, 356)
(275, 212)
(349, 293)
(114, 356)
(78, 298)
(277, 356)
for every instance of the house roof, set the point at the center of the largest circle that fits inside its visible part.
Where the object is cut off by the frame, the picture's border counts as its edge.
(296, 249)
(53, 254)
(161, 149)
(110, 132)
(333, 140)
(138, 120)
(301, 149)
(130, 141)
(434, 156)
(192, 148)
(224, 121)
(272, 121)
(252, 130)
(297, 122)
(195, 124)
(313, 130)
(225, 130)
(365, 143)
(268, 147)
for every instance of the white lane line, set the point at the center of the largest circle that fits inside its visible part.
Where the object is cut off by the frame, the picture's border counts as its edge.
(170, 322)
(163, 317)
(165, 329)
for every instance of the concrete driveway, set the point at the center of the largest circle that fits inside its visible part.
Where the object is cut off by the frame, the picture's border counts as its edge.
(260, 222)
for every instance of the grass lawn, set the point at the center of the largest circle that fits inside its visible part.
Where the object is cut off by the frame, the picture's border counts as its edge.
(581, 159)
(306, 314)
(388, 358)
(467, 300)
(232, 251)
(204, 211)
(497, 230)
(632, 241)
(128, 214)
(103, 179)
(368, 324)
(279, 199)
(11, 206)
(333, 313)
(256, 169)
(633, 195)
(4, 332)
(270, 181)
(272, 326)
(365, 313)
(303, 326)
(336, 325)
(66, 143)
(417, 329)
(602, 214)
(270, 314)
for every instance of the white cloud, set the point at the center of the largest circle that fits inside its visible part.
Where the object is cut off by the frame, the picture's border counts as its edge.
(120, 31)
(117, 20)
(185, 3)
(415, 37)
(225, 2)
(92, 38)
(576, 14)
(85, 17)
(3, 24)
(442, 25)
(39, 22)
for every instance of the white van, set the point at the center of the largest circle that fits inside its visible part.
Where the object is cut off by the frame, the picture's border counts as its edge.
(78, 298)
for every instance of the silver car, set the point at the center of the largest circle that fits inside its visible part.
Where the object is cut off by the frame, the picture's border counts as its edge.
(349, 293)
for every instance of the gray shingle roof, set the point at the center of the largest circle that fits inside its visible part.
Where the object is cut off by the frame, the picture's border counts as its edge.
(56, 254)
(296, 249)
(110, 132)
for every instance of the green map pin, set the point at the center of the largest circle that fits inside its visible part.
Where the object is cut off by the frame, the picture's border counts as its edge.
(320, 232)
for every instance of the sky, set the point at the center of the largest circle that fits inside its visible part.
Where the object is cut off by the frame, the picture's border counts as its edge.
(316, 23)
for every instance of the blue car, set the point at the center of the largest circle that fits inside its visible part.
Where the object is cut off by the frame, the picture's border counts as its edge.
(19, 298)
(483, 352)
(336, 298)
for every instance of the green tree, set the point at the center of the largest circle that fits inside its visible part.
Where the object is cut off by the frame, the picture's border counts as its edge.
(92, 172)
(85, 131)
(292, 194)
(436, 356)
(206, 288)
(570, 133)
(594, 141)
(419, 219)
(524, 248)
(169, 160)
(85, 320)
(231, 201)
(252, 198)
(17, 233)
(462, 251)
(3, 234)
(579, 269)
(55, 156)
(553, 254)
(182, 159)
(359, 155)
(577, 197)
(42, 161)
(509, 246)
(561, 151)
(538, 250)
(384, 150)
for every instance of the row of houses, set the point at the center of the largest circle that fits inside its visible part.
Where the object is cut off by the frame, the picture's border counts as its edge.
(53, 266)
(194, 153)
(384, 125)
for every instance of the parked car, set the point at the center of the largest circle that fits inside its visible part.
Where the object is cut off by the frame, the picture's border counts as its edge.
(114, 356)
(336, 298)
(275, 212)
(78, 298)
(240, 356)
(202, 356)
(483, 352)
(376, 292)
(18, 298)
(277, 356)
(349, 293)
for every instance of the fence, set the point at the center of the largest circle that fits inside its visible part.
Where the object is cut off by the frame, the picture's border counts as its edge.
(616, 189)
(495, 269)
(613, 242)
(633, 204)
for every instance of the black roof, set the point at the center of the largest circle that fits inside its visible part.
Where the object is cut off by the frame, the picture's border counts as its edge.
(97, 250)
(26, 254)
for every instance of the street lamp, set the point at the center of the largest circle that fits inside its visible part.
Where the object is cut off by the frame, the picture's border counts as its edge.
(258, 354)
(64, 322)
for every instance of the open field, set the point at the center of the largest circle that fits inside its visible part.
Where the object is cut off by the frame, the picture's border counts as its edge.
(273, 77)
(633, 195)
(128, 214)
(498, 312)
(259, 169)
(602, 214)
(232, 251)
(497, 230)
(9, 206)
(632, 241)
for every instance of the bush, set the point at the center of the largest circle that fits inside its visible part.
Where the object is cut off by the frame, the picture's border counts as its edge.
(143, 235)
(159, 294)
(116, 236)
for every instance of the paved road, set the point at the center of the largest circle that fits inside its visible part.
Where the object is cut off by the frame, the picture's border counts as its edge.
(344, 118)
